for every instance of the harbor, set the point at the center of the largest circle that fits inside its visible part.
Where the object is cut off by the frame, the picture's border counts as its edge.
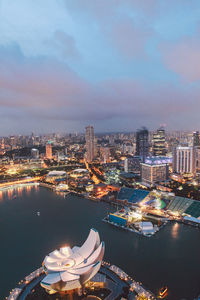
(129, 250)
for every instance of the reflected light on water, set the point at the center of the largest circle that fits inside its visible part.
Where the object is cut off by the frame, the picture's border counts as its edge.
(19, 191)
(9, 193)
(175, 229)
(13, 191)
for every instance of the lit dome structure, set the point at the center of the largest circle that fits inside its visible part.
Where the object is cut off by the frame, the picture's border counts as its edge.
(67, 269)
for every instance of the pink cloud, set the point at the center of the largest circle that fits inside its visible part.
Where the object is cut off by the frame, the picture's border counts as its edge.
(183, 58)
(128, 38)
(49, 90)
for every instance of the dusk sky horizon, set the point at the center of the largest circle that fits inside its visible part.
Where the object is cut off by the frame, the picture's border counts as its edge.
(116, 64)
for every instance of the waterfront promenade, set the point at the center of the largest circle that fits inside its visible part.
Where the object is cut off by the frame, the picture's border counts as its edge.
(116, 281)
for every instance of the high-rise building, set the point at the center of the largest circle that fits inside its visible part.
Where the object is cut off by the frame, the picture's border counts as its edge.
(90, 143)
(154, 171)
(132, 164)
(195, 138)
(158, 143)
(34, 153)
(197, 159)
(49, 150)
(184, 160)
(142, 143)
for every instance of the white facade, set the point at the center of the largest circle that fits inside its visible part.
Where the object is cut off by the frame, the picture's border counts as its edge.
(184, 160)
(69, 269)
(154, 173)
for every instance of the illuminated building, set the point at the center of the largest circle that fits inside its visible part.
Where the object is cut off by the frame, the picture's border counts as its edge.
(195, 138)
(158, 143)
(146, 228)
(105, 154)
(184, 160)
(197, 159)
(62, 187)
(154, 171)
(117, 219)
(70, 268)
(142, 143)
(56, 176)
(34, 153)
(80, 173)
(49, 150)
(90, 143)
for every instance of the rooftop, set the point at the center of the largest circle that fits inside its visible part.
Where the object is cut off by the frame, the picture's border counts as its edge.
(132, 195)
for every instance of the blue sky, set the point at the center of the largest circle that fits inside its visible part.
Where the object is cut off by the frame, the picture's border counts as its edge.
(116, 64)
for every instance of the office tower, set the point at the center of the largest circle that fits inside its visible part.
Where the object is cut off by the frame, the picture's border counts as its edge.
(49, 150)
(142, 143)
(132, 164)
(34, 153)
(154, 171)
(158, 143)
(184, 160)
(90, 143)
(195, 138)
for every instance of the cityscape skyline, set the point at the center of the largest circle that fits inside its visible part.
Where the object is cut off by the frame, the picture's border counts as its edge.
(77, 65)
(100, 133)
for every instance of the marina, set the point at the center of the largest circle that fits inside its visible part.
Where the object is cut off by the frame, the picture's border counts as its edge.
(160, 254)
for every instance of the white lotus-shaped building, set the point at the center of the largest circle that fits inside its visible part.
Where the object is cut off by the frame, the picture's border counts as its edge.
(67, 269)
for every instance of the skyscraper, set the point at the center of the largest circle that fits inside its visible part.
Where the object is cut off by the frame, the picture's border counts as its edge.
(90, 143)
(195, 138)
(184, 160)
(142, 143)
(49, 150)
(158, 143)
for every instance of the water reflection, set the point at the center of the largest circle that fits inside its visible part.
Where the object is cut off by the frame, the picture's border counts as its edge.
(12, 192)
(175, 230)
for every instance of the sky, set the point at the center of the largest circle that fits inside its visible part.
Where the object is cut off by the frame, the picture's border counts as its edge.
(115, 64)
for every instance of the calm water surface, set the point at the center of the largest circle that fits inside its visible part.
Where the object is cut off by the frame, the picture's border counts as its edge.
(171, 257)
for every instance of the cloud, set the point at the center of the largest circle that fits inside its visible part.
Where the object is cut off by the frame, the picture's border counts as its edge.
(65, 44)
(129, 39)
(118, 23)
(104, 9)
(183, 57)
(46, 92)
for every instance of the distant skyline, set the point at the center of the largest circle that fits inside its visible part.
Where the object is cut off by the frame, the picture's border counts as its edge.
(115, 64)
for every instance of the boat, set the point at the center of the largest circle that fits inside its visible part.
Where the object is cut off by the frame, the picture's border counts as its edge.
(163, 292)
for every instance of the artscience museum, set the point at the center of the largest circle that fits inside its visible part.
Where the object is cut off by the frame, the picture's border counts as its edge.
(68, 269)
